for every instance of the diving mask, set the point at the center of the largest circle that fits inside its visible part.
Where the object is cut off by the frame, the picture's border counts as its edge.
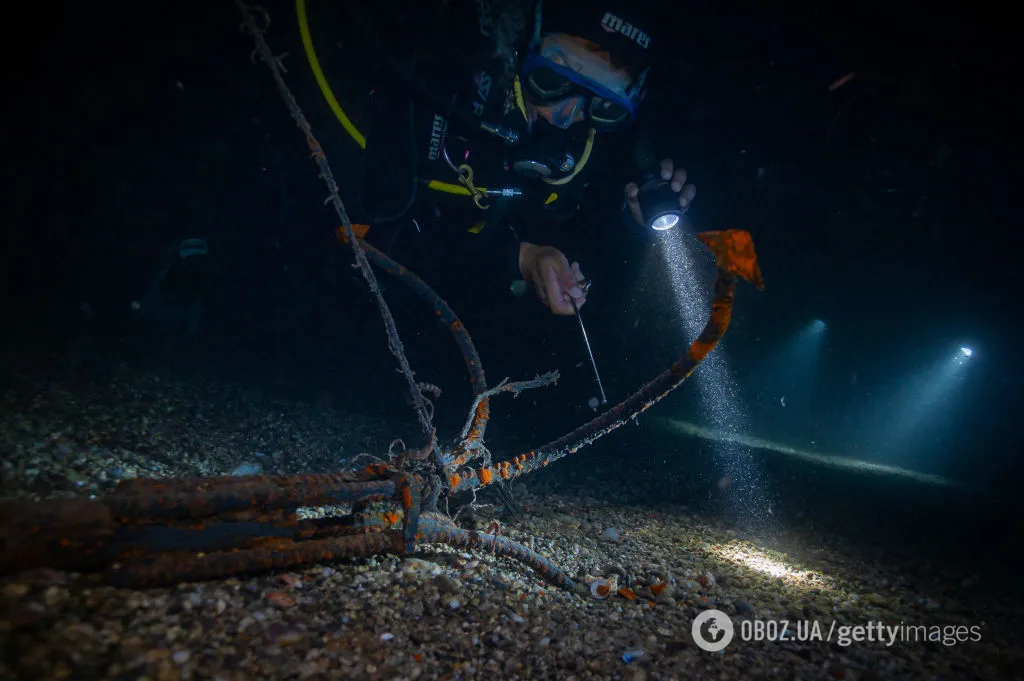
(572, 81)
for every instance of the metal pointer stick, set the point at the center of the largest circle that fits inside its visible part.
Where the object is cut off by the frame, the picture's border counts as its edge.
(585, 285)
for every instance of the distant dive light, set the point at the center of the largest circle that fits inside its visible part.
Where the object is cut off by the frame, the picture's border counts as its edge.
(966, 352)
(660, 205)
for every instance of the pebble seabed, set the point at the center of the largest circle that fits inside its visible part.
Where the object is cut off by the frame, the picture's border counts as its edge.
(643, 575)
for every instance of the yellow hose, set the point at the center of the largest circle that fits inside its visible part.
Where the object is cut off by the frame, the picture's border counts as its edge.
(449, 188)
(321, 80)
(360, 139)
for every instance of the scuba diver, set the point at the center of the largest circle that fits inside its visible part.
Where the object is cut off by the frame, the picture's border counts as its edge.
(528, 125)
(174, 298)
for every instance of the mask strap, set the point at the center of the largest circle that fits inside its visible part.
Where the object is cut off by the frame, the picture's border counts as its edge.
(636, 87)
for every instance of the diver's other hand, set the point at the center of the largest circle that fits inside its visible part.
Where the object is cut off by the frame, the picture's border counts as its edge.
(554, 279)
(677, 179)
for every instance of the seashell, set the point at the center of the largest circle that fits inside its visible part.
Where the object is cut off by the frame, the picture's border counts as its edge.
(603, 588)
(600, 588)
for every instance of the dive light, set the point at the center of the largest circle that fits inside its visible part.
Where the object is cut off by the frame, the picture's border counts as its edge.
(660, 205)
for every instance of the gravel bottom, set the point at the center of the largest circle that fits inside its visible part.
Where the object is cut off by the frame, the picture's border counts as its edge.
(442, 613)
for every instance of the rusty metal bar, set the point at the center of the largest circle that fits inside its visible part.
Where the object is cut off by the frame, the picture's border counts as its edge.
(206, 497)
(149, 517)
(477, 380)
(171, 568)
(433, 531)
(735, 258)
(251, 26)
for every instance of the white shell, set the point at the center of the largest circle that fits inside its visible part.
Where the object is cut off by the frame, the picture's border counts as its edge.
(612, 585)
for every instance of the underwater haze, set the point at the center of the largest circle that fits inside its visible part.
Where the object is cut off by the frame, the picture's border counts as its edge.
(235, 444)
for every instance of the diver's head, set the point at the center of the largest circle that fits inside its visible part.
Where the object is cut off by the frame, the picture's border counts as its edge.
(584, 65)
(570, 80)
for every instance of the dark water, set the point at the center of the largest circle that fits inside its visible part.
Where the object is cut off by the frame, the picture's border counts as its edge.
(884, 207)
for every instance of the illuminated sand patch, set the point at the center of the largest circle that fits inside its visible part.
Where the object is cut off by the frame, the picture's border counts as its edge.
(772, 563)
(817, 458)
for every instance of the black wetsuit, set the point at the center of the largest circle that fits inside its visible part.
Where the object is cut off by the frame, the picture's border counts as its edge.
(450, 60)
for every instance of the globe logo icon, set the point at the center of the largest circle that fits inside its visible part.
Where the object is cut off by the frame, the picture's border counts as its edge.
(712, 630)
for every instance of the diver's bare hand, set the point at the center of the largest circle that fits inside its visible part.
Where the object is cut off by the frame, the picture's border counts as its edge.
(677, 179)
(554, 279)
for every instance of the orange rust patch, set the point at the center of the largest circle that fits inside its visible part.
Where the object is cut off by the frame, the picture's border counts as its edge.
(406, 498)
(734, 252)
(658, 588)
(699, 350)
(359, 230)
(484, 475)
(376, 469)
(627, 593)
